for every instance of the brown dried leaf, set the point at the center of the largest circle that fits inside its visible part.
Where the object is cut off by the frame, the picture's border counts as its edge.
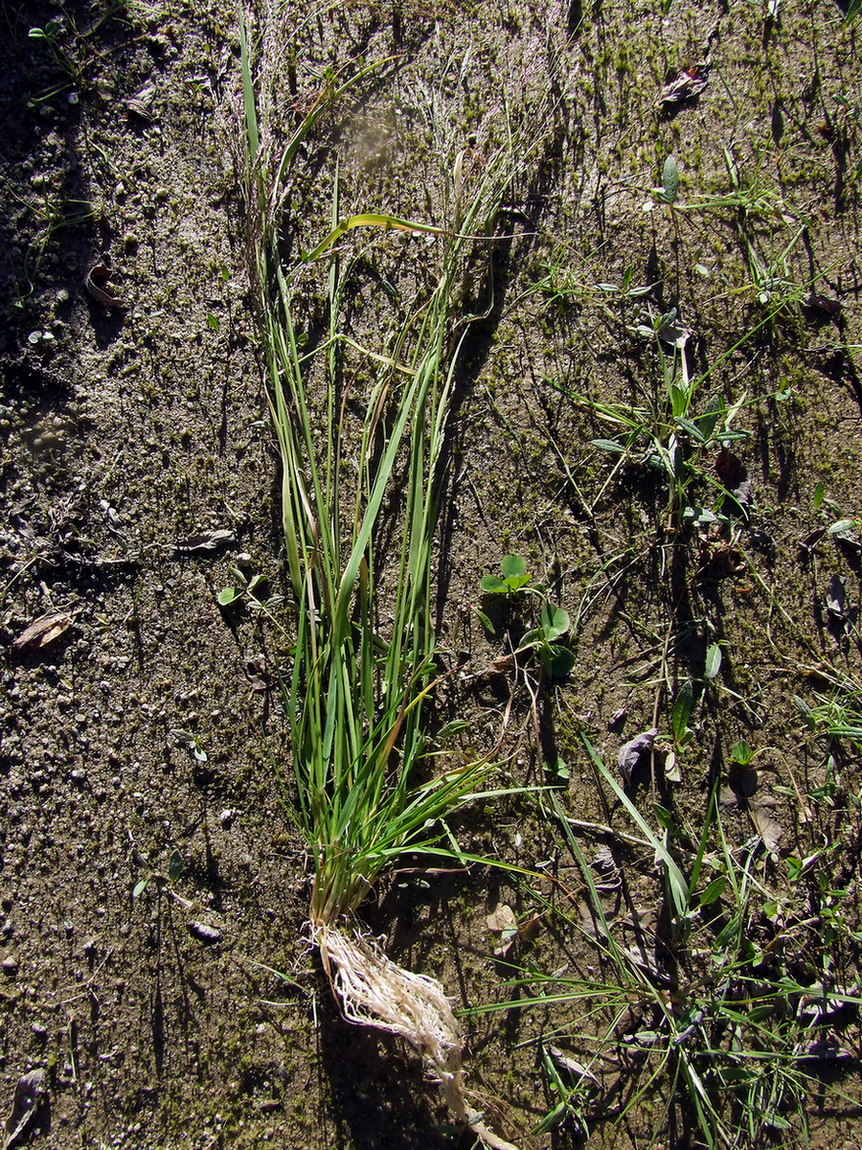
(836, 603)
(42, 632)
(685, 85)
(529, 928)
(630, 753)
(733, 476)
(99, 289)
(761, 810)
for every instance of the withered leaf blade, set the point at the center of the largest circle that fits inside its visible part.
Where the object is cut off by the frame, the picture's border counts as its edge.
(824, 1050)
(576, 1070)
(99, 288)
(207, 543)
(42, 632)
(203, 932)
(806, 547)
(827, 306)
(734, 478)
(30, 1103)
(630, 753)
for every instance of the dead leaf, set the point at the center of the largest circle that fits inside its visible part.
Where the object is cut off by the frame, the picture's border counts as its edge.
(630, 753)
(605, 866)
(207, 543)
(806, 547)
(615, 722)
(835, 601)
(100, 289)
(826, 306)
(734, 477)
(29, 1105)
(686, 85)
(204, 933)
(823, 1050)
(568, 1065)
(502, 921)
(141, 103)
(257, 674)
(529, 928)
(761, 810)
(42, 632)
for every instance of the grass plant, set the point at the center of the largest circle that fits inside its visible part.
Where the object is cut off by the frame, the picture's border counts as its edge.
(365, 786)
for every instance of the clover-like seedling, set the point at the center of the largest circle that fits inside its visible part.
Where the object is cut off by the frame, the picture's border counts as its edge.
(554, 623)
(514, 578)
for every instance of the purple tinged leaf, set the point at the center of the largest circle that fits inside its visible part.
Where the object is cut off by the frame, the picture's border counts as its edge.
(631, 752)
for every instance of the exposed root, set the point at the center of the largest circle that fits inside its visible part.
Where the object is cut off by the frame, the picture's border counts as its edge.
(375, 991)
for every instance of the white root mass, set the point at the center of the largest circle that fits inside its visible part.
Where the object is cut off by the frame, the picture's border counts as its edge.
(375, 991)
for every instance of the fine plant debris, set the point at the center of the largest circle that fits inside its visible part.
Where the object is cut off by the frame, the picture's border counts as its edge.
(207, 543)
(686, 85)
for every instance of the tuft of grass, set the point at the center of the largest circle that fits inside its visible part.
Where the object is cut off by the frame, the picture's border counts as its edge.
(365, 787)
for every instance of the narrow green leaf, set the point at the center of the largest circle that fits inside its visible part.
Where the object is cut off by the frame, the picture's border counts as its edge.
(485, 621)
(691, 427)
(670, 180)
(682, 708)
(714, 891)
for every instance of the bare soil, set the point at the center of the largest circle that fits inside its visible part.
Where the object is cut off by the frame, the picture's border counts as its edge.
(153, 886)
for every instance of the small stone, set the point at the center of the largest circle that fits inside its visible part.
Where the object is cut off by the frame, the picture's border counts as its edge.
(204, 933)
(10, 965)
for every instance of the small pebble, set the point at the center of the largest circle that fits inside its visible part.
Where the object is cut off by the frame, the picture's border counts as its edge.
(204, 933)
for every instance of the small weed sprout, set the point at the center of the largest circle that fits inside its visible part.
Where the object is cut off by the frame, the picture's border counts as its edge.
(550, 625)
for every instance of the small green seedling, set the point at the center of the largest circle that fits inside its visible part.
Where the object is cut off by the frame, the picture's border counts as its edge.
(557, 661)
(553, 622)
(742, 754)
(253, 591)
(192, 741)
(514, 578)
(162, 880)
